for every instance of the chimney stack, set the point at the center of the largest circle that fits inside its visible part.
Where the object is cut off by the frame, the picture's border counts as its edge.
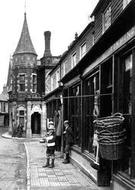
(47, 36)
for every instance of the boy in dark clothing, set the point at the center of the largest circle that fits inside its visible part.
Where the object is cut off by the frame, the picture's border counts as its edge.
(50, 140)
(68, 141)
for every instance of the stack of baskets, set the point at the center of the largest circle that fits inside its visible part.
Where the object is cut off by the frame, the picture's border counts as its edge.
(111, 136)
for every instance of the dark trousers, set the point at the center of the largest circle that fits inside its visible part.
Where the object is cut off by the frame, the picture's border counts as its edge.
(50, 152)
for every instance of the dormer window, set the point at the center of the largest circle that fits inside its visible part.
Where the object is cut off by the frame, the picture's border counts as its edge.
(22, 82)
(106, 19)
(73, 60)
(125, 3)
(83, 50)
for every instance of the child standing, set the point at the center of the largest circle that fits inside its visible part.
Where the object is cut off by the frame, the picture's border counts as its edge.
(68, 141)
(50, 140)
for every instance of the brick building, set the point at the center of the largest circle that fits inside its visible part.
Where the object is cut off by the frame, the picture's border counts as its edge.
(25, 104)
(26, 82)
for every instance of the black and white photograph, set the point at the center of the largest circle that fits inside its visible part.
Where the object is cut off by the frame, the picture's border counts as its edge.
(67, 95)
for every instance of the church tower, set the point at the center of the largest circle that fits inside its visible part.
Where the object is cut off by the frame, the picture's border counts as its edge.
(26, 106)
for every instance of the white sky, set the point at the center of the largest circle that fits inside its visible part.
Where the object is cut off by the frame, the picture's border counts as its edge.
(62, 17)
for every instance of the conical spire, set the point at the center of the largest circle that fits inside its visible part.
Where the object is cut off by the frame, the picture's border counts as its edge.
(25, 44)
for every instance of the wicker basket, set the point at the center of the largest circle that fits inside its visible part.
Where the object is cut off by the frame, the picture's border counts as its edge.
(111, 136)
(110, 123)
(112, 151)
(105, 136)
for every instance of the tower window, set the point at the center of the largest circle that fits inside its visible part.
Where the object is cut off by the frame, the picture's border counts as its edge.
(34, 83)
(21, 82)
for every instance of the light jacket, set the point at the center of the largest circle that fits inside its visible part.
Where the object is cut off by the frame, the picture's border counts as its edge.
(51, 140)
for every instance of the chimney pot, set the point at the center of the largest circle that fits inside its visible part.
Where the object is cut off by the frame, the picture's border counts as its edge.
(47, 35)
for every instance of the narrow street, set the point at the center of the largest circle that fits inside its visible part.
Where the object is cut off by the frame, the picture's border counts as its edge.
(12, 164)
(21, 164)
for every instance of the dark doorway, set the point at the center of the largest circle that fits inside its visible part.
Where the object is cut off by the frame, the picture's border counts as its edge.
(36, 123)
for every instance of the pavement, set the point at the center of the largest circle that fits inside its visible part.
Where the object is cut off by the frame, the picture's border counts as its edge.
(12, 164)
(7, 135)
(61, 177)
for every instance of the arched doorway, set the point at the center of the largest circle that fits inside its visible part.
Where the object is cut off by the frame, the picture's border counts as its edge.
(36, 123)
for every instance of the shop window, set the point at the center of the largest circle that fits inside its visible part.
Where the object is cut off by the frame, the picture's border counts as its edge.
(106, 89)
(125, 3)
(126, 106)
(127, 88)
(91, 109)
(21, 82)
(34, 83)
(66, 103)
(75, 112)
(82, 50)
(106, 19)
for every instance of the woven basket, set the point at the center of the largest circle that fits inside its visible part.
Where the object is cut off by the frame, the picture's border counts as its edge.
(106, 136)
(112, 151)
(110, 123)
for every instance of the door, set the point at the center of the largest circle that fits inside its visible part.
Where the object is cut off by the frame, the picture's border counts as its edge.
(36, 123)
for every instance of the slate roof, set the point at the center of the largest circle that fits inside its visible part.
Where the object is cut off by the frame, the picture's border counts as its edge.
(25, 44)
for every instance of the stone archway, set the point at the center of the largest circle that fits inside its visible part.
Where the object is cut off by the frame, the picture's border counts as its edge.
(36, 123)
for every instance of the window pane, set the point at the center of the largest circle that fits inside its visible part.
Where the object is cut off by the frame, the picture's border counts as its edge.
(22, 77)
(22, 87)
(73, 60)
(127, 89)
(75, 112)
(83, 50)
(21, 112)
(34, 81)
(91, 87)
(34, 78)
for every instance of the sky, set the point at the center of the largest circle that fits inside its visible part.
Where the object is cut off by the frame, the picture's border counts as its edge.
(62, 17)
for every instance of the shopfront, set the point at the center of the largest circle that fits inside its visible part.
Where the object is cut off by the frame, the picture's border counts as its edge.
(100, 91)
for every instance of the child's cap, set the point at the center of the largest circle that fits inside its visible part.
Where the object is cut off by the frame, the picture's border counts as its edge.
(51, 125)
(66, 122)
